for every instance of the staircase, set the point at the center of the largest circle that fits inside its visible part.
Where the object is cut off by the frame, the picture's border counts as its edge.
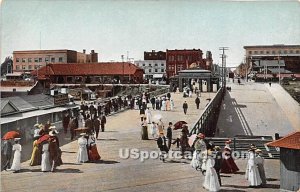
(242, 143)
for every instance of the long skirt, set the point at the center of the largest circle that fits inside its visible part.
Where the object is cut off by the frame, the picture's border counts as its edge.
(16, 164)
(36, 156)
(211, 181)
(45, 164)
(93, 153)
(144, 133)
(229, 166)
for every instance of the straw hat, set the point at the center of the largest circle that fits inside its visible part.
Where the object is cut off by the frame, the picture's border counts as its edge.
(82, 134)
(258, 151)
(36, 125)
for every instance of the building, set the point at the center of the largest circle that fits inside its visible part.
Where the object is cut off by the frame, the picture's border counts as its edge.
(178, 60)
(154, 69)
(259, 55)
(153, 55)
(289, 161)
(90, 73)
(31, 60)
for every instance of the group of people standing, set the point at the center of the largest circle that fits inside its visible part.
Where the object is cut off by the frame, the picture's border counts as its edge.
(8, 146)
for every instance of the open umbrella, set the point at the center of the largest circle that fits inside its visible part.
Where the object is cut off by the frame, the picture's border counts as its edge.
(43, 138)
(11, 135)
(178, 124)
(192, 139)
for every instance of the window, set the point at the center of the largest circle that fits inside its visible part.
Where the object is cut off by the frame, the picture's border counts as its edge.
(69, 79)
(29, 60)
(273, 52)
(250, 52)
(47, 59)
(162, 70)
(297, 51)
(36, 60)
(52, 60)
(155, 70)
(23, 66)
(17, 60)
(291, 51)
(150, 65)
(29, 67)
(155, 65)
(143, 64)
(17, 67)
(23, 60)
(40, 59)
(261, 52)
(279, 51)
(285, 51)
(267, 52)
(36, 66)
(150, 70)
(162, 64)
(255, 52)
(60, 59)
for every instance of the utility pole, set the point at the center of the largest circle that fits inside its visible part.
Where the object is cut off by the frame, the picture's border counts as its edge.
(122, 56)
(223, 56)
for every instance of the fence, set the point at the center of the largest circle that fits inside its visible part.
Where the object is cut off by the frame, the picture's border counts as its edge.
(209, 118)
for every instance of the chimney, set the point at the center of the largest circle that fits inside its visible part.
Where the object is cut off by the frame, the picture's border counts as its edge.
(92, 51)
(84, 51)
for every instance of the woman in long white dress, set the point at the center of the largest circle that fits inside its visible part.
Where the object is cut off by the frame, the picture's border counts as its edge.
(153, 128)
(163, 105)
(45, 164)
(16, 164)
(211, 181)
(252, 173)
(82, 155)
(171, 105)
(148, 116)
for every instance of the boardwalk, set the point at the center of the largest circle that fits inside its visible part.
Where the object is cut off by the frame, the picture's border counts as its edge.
(116, 174)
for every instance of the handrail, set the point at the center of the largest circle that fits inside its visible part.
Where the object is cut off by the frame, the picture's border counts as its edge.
(208, 120)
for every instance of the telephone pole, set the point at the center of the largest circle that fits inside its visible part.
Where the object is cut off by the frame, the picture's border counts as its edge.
(223, 56)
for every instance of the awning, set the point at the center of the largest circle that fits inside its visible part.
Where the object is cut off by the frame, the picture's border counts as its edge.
(157, 76)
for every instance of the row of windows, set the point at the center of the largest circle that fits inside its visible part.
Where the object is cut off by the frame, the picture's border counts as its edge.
(40, 59)
(181, 58)
(149, 64)
(179, 67)
(275, 52)
(27, 67)
(155, 70)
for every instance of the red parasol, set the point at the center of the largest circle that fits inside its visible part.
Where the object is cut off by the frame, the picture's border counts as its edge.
(11, 135)
(43, 138)
(178, 125)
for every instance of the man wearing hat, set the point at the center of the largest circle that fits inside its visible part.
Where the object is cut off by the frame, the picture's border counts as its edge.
(169, 134)
(65, 122)
(162, 145)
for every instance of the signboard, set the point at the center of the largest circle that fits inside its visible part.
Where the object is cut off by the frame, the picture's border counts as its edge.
(61, 99)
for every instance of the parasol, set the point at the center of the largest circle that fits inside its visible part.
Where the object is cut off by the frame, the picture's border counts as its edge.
(192, 139)
(81, 130)
(178, 124)
(43, 138)
(11, 135)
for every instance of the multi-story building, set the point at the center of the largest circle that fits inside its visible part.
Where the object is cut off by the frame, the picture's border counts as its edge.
(31, 60)
(154, 69)
(178, 60)
(153, 55)
(261, 56)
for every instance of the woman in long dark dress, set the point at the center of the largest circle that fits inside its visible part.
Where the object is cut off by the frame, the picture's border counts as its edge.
(228, 164)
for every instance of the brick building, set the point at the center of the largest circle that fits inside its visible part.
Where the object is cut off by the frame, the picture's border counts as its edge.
(90, 73)
(177, 60)
(33, 59)
(153, 55)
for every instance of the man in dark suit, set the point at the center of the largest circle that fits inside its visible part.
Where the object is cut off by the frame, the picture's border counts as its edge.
(185, 107)
(162, 145)
(218, 161)
(169, 135)
(89, 124)
(197, 101)
(97, 126)
(103, 122)
(7, 152)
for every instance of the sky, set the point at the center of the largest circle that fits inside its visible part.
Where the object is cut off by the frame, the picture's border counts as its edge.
(117, 27)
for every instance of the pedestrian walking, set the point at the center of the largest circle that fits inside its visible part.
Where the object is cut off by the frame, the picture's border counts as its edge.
(270, 84)
(82, 155)
(72, 127)
(45, 164)
(53, 150)
(16, 164)
(103, 122)
(260, 165)
(144, 132)
(152, 100)
(252, 173)
(153, 127)
(65, 122)
(211, 181)
(197, 101)
(218, 162)
(162, 145)
(7, 152)
(169, 135)
(185, 107)
(36, 155)
(148, 115)
(228, 164)
(97, 126)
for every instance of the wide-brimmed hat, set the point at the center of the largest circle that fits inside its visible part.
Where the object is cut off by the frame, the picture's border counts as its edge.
(41, 126)
(82, 134)
(201, 135)
(17, 139)
(36, 125)
(52, 133)
(258, 151)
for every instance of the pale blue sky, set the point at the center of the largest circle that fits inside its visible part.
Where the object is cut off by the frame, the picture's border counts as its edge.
(112, 28)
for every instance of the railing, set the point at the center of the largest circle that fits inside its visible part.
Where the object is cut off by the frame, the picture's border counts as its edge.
(161, 91)
(208, 120)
